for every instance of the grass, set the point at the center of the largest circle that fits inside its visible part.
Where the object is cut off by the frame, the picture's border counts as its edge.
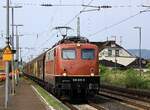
(127, 78)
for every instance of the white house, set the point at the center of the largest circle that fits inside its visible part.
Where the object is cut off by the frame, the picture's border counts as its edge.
(110, 51)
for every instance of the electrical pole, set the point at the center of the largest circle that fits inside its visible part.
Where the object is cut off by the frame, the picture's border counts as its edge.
(17, 51)
(107, 39)
(7, 62)
(140, 34)
(20, 51)
(12, 44)
(121, 40)
(78, 27)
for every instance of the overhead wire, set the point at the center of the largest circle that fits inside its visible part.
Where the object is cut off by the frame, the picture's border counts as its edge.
(66, 24)
(115, 24)
(108, 27)
(78, 14)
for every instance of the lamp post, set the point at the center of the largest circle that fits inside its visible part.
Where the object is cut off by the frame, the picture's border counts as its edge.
(139, 28)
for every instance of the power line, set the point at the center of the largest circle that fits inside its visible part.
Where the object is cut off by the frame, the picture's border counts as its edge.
(47, 40)
(35, 4)
(47, 4)
(115, 24)
(78, 14)
(68, 5)
(69, 21)
(63, 5)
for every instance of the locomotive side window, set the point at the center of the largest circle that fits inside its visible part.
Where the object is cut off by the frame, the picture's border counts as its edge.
(50, 55)
(68, 54)
(87, 54)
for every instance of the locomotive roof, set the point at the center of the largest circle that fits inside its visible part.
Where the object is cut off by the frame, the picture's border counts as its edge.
(66, 40)
(72, 39)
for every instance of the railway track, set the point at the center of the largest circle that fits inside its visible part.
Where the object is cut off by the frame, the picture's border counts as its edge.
(142, 95)
(98, 103)
(132, 97)
(84, 106)
(106, 103)
(69, 105)
(98, 107)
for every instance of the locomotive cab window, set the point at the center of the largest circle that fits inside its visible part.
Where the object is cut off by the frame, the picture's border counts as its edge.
(87, 54)
(68, 54)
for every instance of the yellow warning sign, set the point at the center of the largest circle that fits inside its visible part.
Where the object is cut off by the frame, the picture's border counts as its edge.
(7, 53)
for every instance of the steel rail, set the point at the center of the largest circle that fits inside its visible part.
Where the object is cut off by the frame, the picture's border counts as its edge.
(98, 107)
(131, 93)
(127, 100)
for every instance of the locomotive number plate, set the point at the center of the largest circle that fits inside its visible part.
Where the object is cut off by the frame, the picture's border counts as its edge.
(78, 79)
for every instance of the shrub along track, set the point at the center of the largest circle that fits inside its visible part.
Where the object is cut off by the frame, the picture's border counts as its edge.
(134, 97)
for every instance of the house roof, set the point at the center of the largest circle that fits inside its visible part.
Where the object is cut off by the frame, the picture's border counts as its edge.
(110, 63)
(113, 44)
(106, 44)
(135, 63)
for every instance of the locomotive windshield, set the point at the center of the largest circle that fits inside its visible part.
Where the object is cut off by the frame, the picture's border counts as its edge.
(68, 54)
(87, 54)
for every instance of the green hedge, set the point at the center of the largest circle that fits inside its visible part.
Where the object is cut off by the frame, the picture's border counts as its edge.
(128, 78)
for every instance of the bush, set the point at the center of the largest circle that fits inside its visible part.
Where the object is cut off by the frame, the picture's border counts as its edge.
(134, 80)
(103, 69)
(127, 78)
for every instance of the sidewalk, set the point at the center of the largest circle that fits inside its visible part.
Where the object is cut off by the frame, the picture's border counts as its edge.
(24, 99)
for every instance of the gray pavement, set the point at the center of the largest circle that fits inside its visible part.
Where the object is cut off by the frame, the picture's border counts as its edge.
(25, 98)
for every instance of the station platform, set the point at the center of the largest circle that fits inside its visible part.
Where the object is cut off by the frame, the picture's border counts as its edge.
(25, 98)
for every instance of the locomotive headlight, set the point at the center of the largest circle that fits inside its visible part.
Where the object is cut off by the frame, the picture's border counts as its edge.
(92, 71)
(92, 74)
(78, 44)
(64, 74)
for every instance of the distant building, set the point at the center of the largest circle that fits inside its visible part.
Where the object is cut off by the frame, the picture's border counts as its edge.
(113, 55)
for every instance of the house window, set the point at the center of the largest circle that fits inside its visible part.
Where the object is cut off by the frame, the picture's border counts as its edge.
(109, 52)
(117, 53)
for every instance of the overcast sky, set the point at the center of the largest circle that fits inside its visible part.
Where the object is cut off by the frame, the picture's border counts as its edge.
(96, 25)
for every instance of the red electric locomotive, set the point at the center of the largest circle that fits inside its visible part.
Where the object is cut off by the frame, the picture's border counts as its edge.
(68, 68)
